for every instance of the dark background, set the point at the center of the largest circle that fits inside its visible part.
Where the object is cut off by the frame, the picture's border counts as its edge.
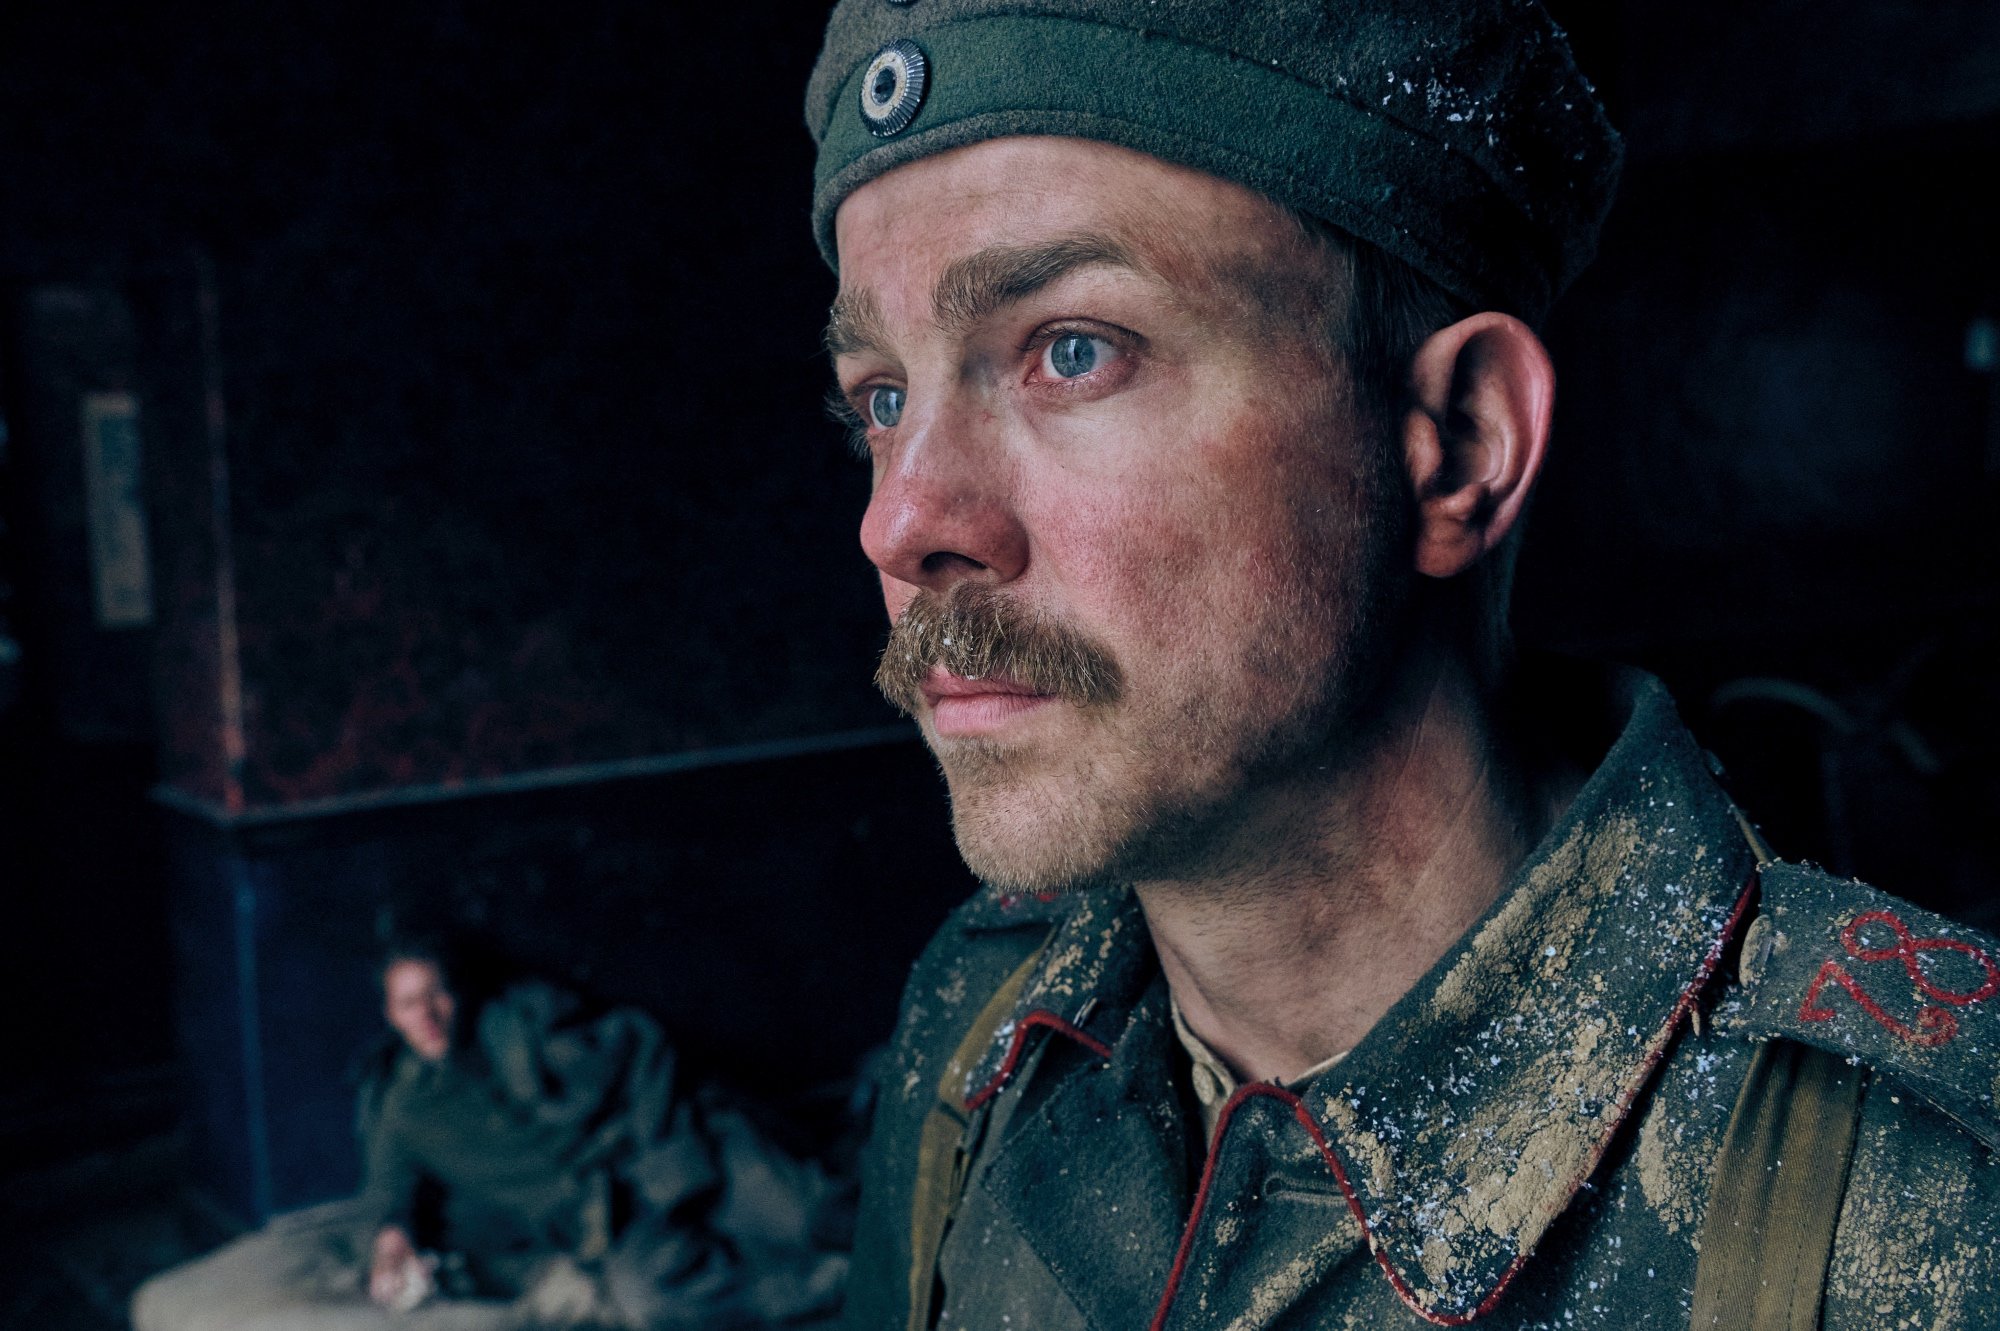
(504, 571)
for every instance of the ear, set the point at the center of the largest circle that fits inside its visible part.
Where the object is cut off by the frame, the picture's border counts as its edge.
(1483, 394)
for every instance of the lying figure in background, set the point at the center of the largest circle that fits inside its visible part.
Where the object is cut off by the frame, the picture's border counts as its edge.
(529, 1165)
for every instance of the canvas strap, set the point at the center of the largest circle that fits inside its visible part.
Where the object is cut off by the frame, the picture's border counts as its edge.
(1779, 1181)
(945, 1149)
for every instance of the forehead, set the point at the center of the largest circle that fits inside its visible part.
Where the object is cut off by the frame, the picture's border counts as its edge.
(897, 233)
(411, 973)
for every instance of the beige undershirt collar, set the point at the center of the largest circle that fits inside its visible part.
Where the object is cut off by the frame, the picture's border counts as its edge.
(1214, 1083)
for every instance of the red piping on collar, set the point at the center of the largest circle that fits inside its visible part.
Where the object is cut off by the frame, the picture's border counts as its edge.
(1311, 1125)
(1689, 996)
(1038, 1017)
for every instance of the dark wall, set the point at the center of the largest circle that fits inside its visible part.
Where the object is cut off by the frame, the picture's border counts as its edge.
(83, 970)
(501, 332)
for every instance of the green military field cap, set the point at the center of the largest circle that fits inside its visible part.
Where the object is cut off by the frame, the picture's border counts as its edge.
(1457, 135)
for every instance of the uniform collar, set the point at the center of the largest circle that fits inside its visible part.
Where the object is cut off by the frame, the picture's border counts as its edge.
(1467, 1120)
(1473, 1112)
(1093, 970)
(1214, 1081)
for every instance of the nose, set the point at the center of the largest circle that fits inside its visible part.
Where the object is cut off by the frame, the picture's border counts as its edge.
(943, 510)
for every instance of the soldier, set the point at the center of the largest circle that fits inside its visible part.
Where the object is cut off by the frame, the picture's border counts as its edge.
(531, 1165)
(1332, 969)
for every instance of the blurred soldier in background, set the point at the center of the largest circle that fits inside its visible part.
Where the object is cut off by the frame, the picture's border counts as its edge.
(529, 1163)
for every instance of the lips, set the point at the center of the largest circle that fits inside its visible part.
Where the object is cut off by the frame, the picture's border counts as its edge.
(962, 706)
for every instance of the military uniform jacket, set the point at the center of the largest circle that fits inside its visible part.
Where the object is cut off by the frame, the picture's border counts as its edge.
(1526, 1139)
(542, 1135)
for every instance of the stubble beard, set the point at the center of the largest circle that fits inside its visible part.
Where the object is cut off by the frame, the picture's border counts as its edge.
(1203, 777)
(1156, 786)
(1013, 825)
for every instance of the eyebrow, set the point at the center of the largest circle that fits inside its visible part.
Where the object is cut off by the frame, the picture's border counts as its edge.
(974, 287)
(854, 324)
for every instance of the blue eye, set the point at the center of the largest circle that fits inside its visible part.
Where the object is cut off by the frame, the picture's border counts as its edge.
(1076, 354)
(885, 407)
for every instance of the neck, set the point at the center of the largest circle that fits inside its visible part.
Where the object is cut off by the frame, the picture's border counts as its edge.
(1341, 889)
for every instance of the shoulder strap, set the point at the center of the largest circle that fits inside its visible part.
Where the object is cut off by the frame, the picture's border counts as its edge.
(1775, 1201)
(1835, 964)
(943, 1156)
(1768, 1237)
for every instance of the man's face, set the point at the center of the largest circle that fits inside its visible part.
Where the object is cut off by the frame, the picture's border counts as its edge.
(1120, 510)
(420, 1008)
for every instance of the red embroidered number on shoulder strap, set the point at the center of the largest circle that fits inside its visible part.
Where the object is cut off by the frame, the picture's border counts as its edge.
(1935, 1025)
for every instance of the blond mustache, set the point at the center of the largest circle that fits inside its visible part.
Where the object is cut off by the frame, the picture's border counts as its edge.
(976, 632)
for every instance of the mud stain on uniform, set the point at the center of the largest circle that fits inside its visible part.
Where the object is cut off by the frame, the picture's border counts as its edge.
(1377, 1163)
(1912, 1263)
(1544, 1139)
(1284, 1286)
(1436, 1260)
(1666, 1191)
(1550, 908)
(1077, 959)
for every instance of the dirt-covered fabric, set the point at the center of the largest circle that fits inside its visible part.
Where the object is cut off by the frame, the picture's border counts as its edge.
(1525, 1140)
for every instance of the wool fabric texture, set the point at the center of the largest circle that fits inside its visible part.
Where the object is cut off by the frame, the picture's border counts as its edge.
(1457, 135)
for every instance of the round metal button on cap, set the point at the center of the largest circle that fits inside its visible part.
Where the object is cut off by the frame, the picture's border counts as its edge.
(892, 87)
